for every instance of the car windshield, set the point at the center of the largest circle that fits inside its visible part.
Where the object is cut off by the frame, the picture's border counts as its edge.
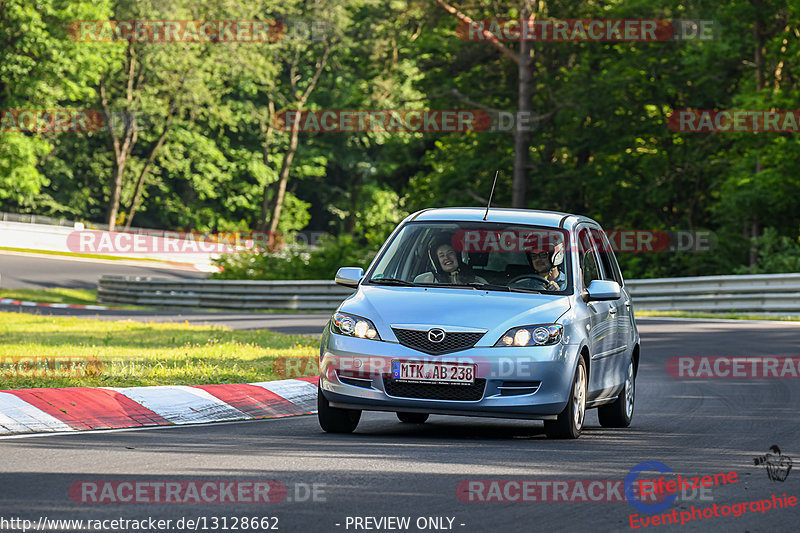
(476, 255)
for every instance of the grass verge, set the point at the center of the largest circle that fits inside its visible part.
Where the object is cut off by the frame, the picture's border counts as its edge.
(61, 296)
(53, 296)
(46, 351)
(734, 316)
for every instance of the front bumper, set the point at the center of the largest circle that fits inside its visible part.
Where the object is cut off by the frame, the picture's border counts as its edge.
(354, 373)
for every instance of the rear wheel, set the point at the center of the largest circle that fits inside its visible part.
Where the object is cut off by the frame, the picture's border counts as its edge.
(570, 420)
(334, 419)
(413, 418)
(620, 413)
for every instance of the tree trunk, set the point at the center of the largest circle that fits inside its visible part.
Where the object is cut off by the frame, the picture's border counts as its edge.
(522, 135)
(173, 106)
(758, 58)
(265, 203)
(142, 175)
(116, 192)
(284, 177)
(121, 149)
(286, 165)
(524, 61)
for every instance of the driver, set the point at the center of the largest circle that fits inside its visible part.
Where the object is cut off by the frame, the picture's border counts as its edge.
(447, 265)
(545, 265)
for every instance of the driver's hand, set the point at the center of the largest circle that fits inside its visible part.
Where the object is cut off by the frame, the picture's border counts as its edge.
(553, 286)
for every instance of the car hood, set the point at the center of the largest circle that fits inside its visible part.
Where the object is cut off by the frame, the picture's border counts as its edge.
(493, 311)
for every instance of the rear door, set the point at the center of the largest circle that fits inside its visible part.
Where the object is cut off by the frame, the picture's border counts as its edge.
(619, 340)
(599, 313)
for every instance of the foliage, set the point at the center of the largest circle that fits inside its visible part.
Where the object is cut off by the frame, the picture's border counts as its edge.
(776, 253)
(600, 145)
(298, 261)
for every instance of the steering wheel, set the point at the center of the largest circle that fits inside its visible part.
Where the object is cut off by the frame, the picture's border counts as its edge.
(534, 277)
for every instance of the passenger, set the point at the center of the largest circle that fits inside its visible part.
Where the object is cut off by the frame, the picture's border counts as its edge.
(448, 266)
(545, 265)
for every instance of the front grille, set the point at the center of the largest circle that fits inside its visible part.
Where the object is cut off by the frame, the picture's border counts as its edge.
(435, 391)
(453, 341)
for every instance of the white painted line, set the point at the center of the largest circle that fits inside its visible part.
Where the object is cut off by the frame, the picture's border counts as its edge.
(146, 263)
(17, 415)
(181, 404)
(301, 393)
(148, 428)
(734, 320)
(208, 268)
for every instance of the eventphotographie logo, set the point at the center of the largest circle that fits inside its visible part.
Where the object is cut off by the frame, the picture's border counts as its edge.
(777, 465)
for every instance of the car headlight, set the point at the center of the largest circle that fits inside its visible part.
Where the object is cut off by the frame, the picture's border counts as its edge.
(354, 326)
(541, 335)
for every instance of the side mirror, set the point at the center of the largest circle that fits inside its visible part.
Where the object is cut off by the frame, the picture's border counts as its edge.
(349, 276)
(601, 290)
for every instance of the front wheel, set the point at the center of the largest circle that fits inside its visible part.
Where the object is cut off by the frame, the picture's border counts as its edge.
(334, 419)
(620, 413)
(570, 420)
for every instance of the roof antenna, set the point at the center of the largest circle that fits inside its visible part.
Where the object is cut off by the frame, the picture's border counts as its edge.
(490, 196)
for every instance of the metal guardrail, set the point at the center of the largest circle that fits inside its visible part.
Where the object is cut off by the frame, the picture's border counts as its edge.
(309, 295)
(763, 293)
(771, 293)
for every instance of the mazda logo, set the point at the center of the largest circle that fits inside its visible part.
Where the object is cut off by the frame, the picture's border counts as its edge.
(436, 335)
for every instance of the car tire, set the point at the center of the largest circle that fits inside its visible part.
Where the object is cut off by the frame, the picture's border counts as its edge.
(334, 419)
(620, 413)
(569, 423)
(413, 418)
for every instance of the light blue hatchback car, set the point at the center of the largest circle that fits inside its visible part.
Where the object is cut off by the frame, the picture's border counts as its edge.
(505, 313)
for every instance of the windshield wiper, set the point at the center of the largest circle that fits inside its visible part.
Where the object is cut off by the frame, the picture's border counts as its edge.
(392, 281)
(520, 289)
(485, 286)
(474, 285)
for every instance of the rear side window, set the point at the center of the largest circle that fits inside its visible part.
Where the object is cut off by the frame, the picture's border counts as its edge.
(610, 265)
(590, 269)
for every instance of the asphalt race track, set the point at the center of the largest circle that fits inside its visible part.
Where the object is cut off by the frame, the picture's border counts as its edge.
(39, 271)
(696, 427)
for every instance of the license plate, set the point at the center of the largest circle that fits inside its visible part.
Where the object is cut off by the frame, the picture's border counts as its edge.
(434, 372)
